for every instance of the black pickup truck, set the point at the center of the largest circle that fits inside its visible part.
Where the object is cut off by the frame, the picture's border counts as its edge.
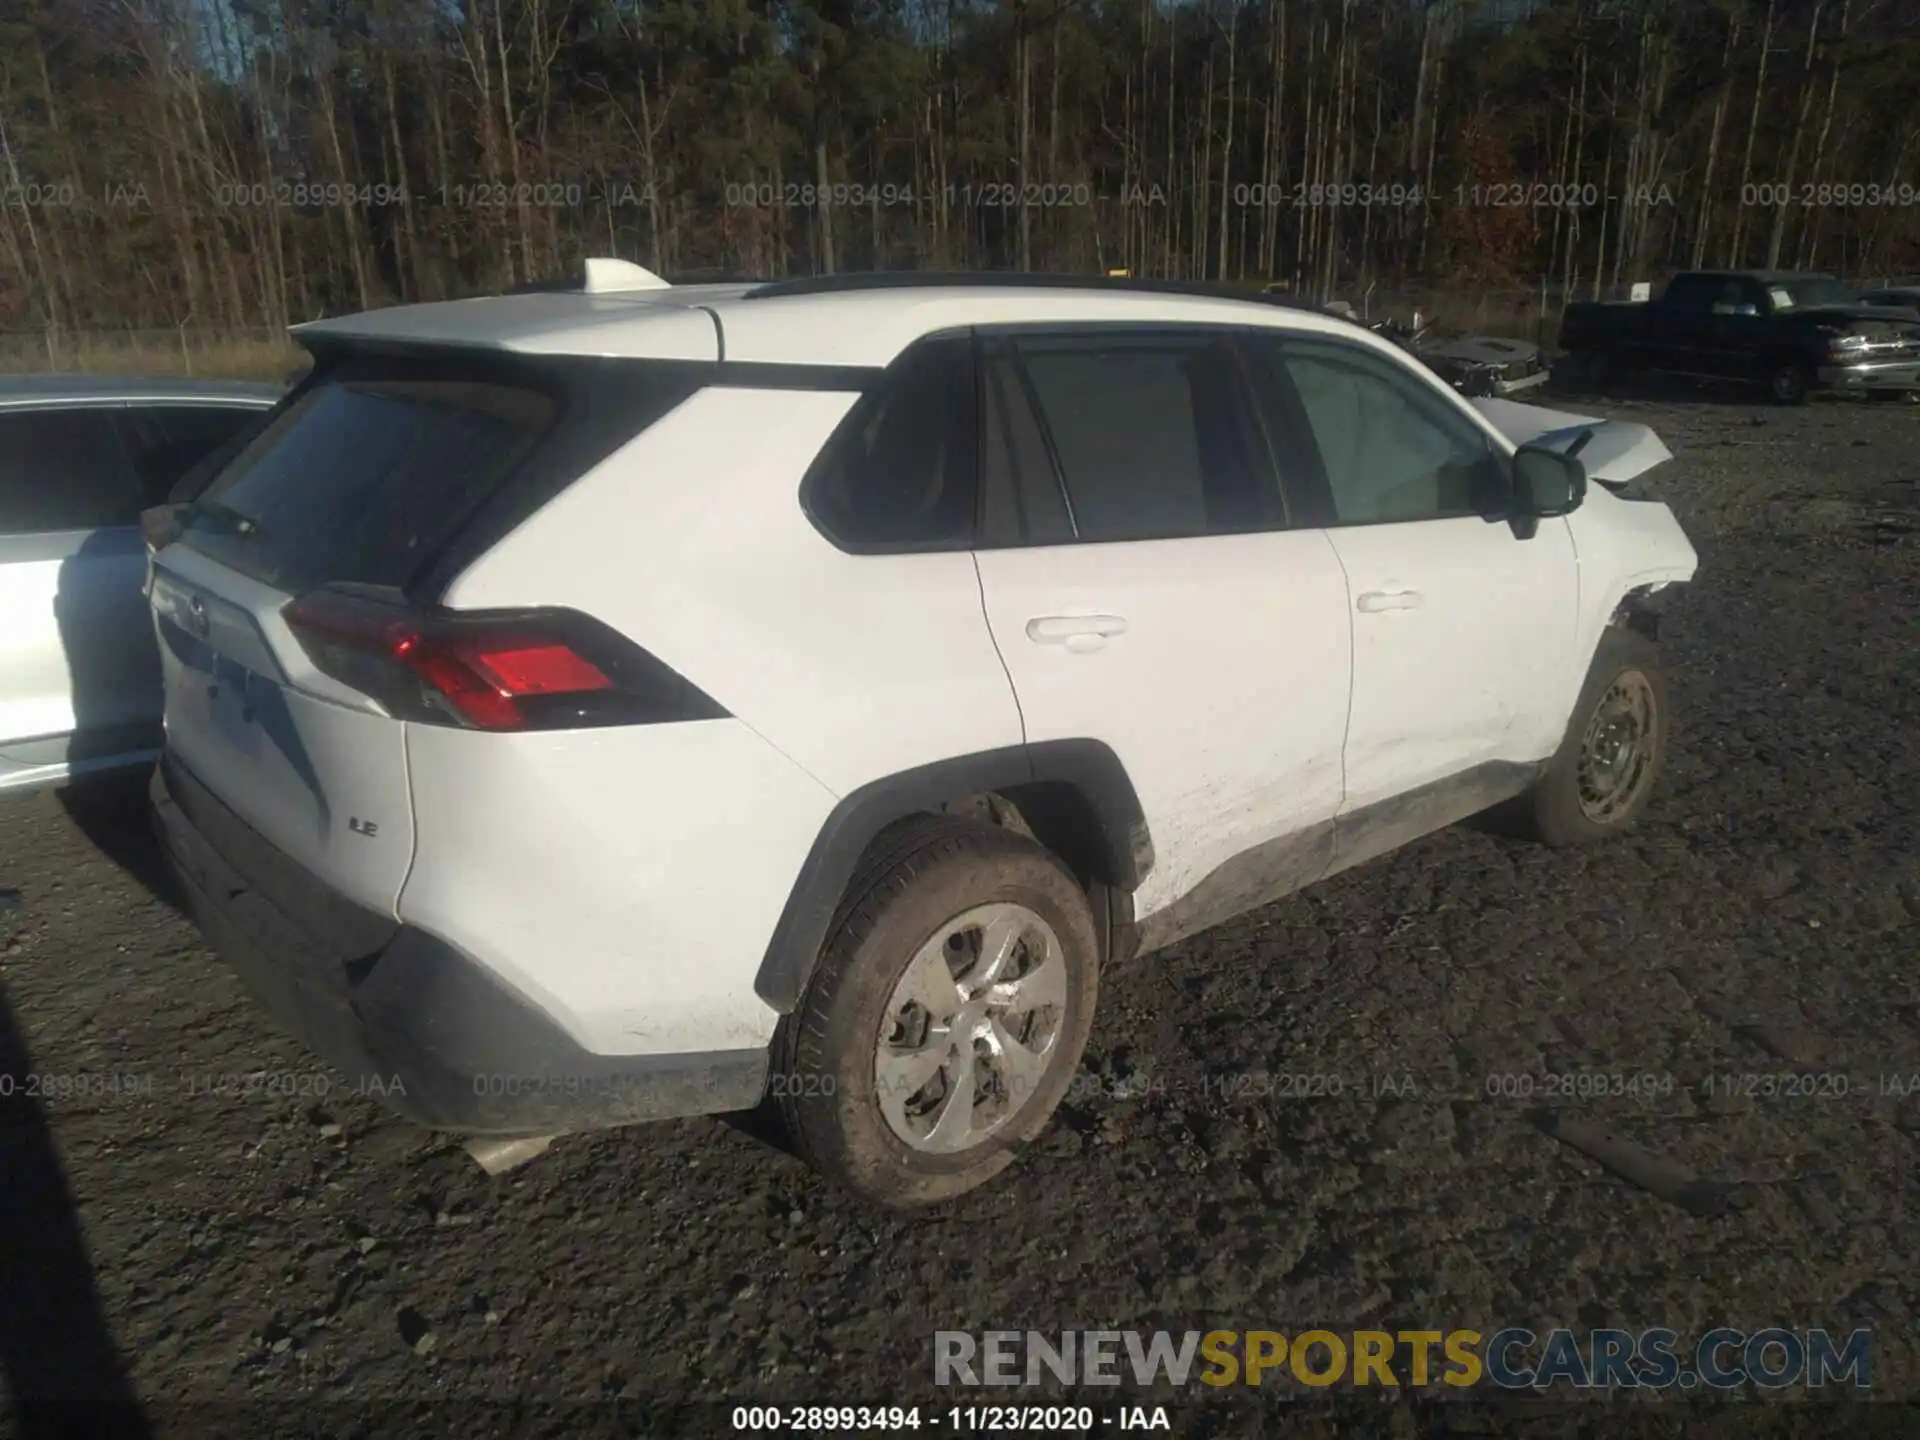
(1792, 332)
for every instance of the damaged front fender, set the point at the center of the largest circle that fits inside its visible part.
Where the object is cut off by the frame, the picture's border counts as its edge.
(1619, 451)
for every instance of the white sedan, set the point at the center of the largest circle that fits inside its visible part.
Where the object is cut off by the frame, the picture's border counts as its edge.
(80, 458)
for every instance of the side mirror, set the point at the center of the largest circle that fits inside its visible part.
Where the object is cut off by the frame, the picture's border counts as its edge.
(160, 526)
(1547, 483)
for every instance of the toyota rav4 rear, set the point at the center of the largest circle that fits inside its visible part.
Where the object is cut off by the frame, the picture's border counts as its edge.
(352, 768)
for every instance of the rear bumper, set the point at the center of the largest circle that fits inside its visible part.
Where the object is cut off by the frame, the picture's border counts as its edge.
(1871, 375)
(406, 1018)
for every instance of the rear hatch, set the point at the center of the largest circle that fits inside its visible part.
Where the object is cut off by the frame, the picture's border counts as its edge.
(295, 597)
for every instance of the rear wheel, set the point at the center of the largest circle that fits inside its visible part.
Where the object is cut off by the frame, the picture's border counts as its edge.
(1603, 369)
(1599, 782)
(946, 1016)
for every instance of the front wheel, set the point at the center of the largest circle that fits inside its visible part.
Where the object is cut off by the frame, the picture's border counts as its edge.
(1601, 779)
(946, 1017)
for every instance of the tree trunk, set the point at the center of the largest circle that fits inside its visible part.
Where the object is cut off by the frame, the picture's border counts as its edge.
(510, 126)
(828, 259)
(1022, 52)
(1226, 147)
(1819, 167)
(1734, 249)
(1713, 145)
(1202, 165)
(1778, 232)
(1426, 177)
(409, 269)
(1171, 267)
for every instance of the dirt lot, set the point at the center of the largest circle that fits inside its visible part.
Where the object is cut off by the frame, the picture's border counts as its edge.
(305, 1261)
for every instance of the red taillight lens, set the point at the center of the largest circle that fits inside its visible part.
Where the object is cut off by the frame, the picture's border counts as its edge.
(486, 680)
(540, 670)
(489, 670)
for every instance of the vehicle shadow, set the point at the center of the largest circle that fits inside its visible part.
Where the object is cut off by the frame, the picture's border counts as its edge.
(115, 817)
(62, 1369)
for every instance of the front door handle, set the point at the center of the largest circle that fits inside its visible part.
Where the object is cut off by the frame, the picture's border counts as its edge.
(1079, 633)
(1374, 601)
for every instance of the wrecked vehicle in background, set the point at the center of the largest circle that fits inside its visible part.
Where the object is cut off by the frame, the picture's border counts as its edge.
(1485, 364)
(1475, 365)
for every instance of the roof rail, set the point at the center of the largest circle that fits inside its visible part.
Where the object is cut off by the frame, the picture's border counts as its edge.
(1020, 279)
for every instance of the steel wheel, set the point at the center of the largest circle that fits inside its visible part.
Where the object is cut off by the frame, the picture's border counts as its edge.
(971, 1028)
(1616, 755)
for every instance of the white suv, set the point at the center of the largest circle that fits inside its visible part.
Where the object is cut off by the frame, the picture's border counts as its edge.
(592, 707)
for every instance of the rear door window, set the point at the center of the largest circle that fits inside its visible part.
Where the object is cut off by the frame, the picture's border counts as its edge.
(166, 442)
(1023, 499)
(65, 470)
(363, 480)
(1149, 437)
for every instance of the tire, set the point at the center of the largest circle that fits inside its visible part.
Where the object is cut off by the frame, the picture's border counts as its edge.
(1563, 808)
(1789, 382)
(1603, 369)
(854, 1080)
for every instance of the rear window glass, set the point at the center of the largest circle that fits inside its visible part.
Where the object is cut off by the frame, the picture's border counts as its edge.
(64, 470)
(364, 480)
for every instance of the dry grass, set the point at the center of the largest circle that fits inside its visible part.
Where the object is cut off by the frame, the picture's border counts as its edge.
(254, 355)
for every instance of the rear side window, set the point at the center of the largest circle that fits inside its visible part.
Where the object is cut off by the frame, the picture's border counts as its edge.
(64, 470)
(364, 480)
(900, 474)
(1150, 436)
(1694, 292)
(166, 442)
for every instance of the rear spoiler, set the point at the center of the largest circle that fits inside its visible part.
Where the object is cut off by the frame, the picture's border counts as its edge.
(1618, 451)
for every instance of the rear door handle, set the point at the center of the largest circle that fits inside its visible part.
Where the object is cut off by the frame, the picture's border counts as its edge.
(1079, 633)
(1374, 601)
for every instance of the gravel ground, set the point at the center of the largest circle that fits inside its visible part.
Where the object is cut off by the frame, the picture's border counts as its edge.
(242, 1259)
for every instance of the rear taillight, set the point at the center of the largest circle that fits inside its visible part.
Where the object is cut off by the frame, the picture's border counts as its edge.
(489, 670)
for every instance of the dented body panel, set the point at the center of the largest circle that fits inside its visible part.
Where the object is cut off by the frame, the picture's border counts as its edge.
(1619, 451)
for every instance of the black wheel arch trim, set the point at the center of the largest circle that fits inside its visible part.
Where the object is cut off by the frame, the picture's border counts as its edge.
(1120, 857)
